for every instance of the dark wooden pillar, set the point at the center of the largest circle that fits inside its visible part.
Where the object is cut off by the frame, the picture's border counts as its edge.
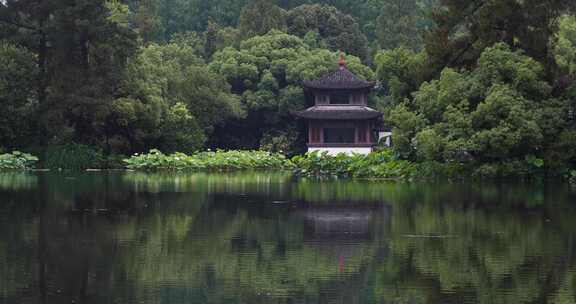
(315, 132)
(371, 138)
(369, 132)
(363, 132)
(358, 129)
(320, 126)
(310, 132)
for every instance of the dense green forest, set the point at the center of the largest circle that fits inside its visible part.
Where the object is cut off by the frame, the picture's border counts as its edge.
(461, 80)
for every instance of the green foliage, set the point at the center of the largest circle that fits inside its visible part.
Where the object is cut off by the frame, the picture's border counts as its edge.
(219, 160)
(119, 13)
(385, 165)
(375, 165)
(180, 131)
(562, 152)
(260, 17)
(285, 57)
(280, 141)
(464, 29)
(429, 145)
(191, 40)
(217, 38)
(565, 44)
(77, 52)
(267, 71)
(148, 22)
(400, 24)
(178, 75)
(73, 157)
(315, 164)
(501, 109)
(17, 161)
(378, 165)
(18, 99)
(401, 69)
(170, 100)
(177, 16)
(406, 125)
(338, 31)
(529, 167)
(440, 170)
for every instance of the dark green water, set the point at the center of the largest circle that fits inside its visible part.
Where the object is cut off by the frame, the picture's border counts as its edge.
(133, 238)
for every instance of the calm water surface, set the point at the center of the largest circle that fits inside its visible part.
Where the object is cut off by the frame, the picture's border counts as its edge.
(135, 238)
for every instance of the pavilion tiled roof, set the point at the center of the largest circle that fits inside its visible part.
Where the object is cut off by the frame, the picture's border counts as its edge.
(342, 79)
(332, 112)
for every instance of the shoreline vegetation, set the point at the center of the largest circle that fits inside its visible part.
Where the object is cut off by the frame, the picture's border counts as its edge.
(492, 101)
(209, 160)
(380, 165)
(17, 161)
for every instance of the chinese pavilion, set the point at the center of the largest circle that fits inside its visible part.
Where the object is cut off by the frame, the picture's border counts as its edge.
(340, 121)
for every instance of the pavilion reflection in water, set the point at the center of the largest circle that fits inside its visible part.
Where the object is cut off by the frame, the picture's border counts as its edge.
(340, 229)
(351, 233)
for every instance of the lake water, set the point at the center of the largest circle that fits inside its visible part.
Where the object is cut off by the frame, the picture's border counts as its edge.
(134, 238)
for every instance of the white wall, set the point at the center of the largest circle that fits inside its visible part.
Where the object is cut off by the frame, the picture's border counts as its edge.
(349, 151)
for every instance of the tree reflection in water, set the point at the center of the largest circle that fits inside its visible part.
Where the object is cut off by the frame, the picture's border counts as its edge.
(268, 238)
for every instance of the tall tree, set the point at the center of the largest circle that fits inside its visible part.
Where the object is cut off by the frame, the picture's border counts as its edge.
(81, 54)
(565, 44)
(339, 31)
(218, 37)
(18, 98)
(397, 25)
(464, 28)
(26, 23)
(194, 15)
(261, 16)
(168, 99)
(148, 22)
(502, 109)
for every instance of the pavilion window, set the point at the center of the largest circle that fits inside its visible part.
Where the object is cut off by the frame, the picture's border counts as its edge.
(339, 135)
(340, 99)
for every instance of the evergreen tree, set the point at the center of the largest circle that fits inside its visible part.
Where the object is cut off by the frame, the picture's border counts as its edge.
(18, 97)
(81, 54)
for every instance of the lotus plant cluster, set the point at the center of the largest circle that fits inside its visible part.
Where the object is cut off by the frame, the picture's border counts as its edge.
(208, 160)
(378, 165)
(17, 161)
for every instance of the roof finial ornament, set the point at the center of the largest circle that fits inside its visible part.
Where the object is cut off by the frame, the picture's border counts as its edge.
(342, 61)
